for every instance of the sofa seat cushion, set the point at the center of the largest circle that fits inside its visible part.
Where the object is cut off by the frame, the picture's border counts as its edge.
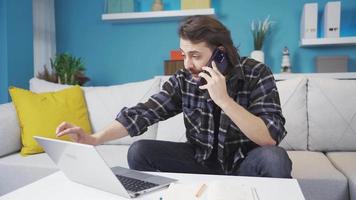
(346, 163)
(317, 176)
(17, 171)
(114, 155)
(41, 160)
(13, 177)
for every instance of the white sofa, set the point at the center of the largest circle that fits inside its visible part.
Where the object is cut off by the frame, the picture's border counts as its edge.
(320, 114)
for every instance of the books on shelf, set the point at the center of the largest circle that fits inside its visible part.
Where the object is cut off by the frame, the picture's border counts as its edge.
(195, 4)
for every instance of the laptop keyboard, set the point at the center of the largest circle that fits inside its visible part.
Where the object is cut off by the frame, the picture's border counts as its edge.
(135, 185)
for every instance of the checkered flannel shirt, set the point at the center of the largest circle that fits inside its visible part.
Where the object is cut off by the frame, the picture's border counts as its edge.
(250, 83)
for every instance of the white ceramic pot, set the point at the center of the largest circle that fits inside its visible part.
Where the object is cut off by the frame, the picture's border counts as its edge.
(258, 55)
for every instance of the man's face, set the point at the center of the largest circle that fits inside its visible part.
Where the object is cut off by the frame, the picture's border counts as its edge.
(195, 56)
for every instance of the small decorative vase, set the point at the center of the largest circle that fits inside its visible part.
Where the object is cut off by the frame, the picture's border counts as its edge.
(258, 55)
(157, 5)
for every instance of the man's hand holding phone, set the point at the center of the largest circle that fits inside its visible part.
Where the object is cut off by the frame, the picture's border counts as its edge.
(216, 84)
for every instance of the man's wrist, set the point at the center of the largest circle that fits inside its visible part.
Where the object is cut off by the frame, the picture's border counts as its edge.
(96, 139)
(226, 104)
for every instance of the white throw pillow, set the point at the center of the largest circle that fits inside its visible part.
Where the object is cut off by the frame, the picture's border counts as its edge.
(10, 139)
(332, 114)
(105, 102)
(293, 96)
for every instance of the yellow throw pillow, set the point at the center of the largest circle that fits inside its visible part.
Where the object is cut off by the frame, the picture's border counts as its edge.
(40, 114)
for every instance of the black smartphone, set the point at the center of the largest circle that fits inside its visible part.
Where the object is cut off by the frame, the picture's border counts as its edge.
(220, 59)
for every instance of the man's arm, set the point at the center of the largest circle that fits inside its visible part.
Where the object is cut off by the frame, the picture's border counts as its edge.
(134, 120)
(252, 126)
(112, 131)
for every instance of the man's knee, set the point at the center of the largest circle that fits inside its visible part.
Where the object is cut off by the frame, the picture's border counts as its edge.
(136, 153)
(273, 154)
(275, 161)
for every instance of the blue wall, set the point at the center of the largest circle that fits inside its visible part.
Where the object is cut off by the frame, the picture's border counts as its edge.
(17, 51)
(3, 53)
(123, 52)
(118, 53)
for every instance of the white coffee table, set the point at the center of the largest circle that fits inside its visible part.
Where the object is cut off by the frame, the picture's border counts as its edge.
(58, 187)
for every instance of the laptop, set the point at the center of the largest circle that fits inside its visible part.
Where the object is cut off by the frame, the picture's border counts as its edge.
(83, 164)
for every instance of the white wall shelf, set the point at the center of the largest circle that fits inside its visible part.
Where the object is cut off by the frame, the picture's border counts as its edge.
(155, 15)
(328, 41)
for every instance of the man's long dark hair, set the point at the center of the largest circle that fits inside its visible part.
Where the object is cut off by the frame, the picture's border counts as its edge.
(208, 29)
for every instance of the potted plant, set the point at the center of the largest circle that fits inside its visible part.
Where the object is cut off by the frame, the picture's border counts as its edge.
(69, 69)
(66, 69)
(259, 31)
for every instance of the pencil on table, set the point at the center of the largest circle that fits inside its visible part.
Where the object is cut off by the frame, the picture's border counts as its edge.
(200, 191)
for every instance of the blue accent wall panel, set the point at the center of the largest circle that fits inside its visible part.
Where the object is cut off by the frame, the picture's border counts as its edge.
(123, 52)
(3, 53)
(20, 43)
(16, 50)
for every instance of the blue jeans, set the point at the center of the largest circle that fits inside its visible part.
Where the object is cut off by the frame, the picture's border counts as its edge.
(164, 156)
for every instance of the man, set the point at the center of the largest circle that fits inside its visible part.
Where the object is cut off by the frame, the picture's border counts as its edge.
(233, 122)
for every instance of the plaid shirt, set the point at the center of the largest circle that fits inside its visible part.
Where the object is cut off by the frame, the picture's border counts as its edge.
(250, 83)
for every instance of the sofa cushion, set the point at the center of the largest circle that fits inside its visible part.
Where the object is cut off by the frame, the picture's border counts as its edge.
(332, 114)
(40, 114)
(41, 160)
(17, 171)
(105, 102)
(292, 94)
(318, 178)
(10, 135)
(14, 177)
(346, 163)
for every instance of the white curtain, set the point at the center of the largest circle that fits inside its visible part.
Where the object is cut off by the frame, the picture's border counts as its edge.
(44, 34)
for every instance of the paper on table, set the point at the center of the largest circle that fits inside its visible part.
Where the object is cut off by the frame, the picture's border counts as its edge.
(216, 190)
(222, 190)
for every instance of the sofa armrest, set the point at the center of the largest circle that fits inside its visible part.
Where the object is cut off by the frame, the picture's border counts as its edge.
(10, 134)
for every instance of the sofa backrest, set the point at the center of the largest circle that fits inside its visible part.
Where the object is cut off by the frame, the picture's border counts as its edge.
(320, 111)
